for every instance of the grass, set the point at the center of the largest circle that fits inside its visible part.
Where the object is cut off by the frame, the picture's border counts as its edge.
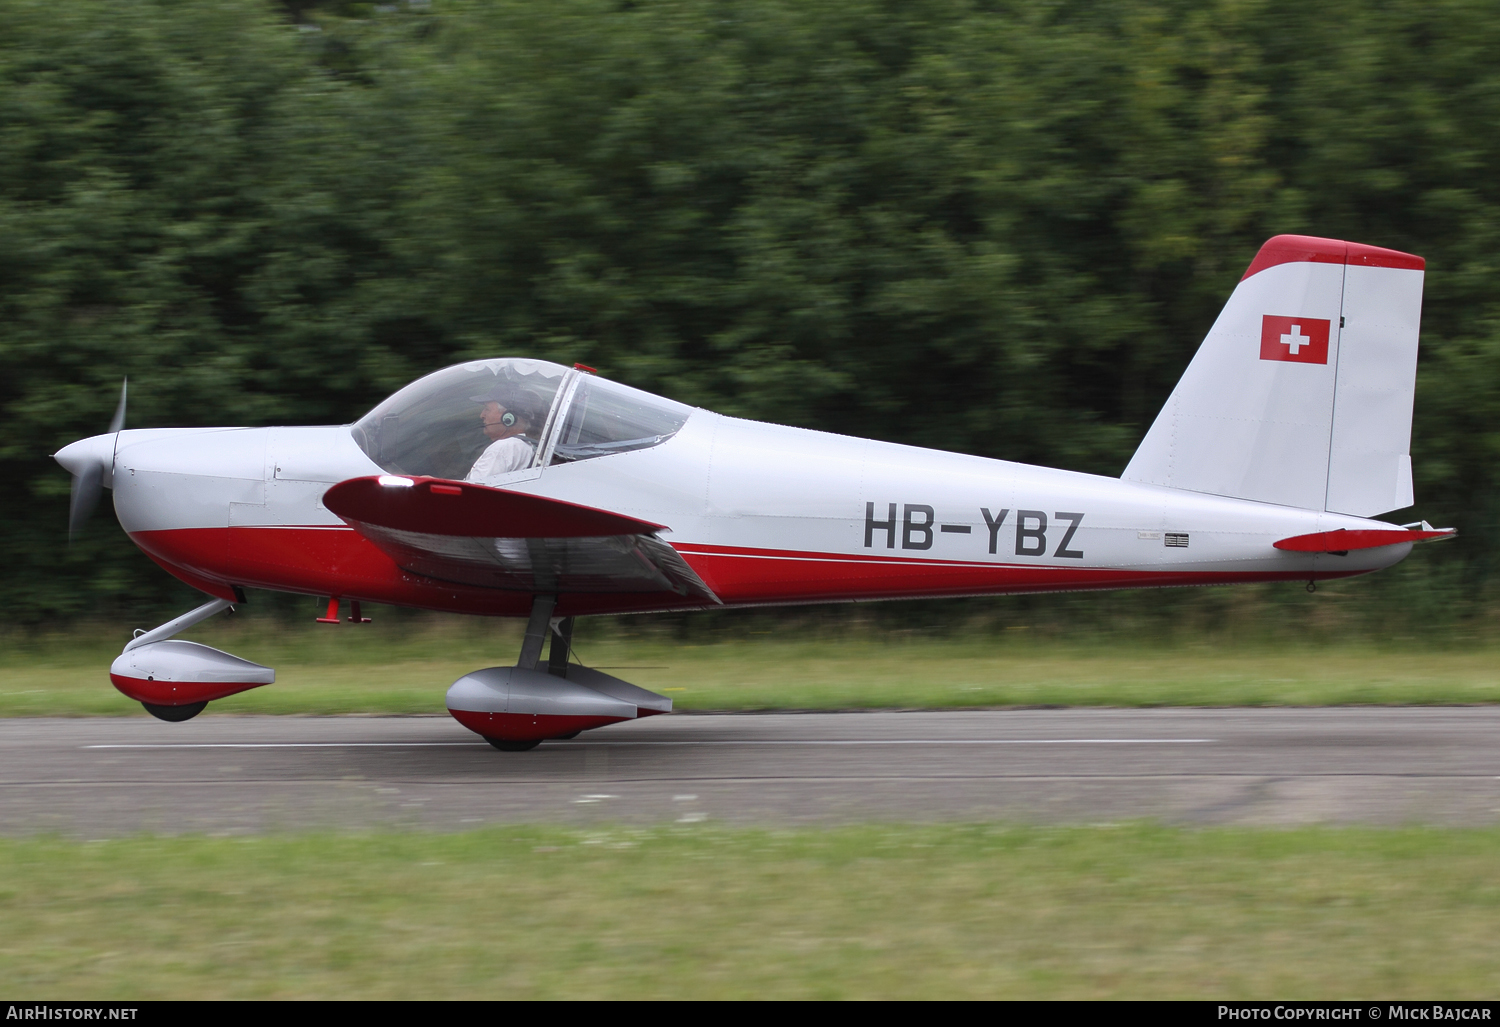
(405, 667)
(965, 911)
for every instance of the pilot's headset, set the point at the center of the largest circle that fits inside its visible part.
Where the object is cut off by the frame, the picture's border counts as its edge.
(509, 400)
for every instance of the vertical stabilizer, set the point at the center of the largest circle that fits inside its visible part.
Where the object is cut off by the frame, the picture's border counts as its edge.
(1301, 395)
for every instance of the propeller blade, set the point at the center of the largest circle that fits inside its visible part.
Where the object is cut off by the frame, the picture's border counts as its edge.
(87, 484)
(88, 459)
(118, 421)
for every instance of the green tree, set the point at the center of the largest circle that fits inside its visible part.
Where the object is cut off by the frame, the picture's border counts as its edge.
(995, 227)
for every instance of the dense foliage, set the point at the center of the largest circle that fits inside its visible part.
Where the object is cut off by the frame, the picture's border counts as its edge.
(985, 225)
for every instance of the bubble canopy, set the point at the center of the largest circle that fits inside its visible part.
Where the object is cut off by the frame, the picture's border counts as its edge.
(436, 425)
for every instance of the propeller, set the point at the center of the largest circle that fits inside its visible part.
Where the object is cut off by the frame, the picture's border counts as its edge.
(86, 488)
(118, 421)
(88, 460)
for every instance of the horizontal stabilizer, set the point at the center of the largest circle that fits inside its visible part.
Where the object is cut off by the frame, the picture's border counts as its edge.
(436, 506)
(1343, 540)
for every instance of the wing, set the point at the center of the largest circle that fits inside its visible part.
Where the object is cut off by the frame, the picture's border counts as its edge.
(477, 535)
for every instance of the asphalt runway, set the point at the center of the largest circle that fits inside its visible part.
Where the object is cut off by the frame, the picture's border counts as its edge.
(99, 777)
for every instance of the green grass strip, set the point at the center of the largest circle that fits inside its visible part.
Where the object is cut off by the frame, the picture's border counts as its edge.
(970, 911)
(341, 670)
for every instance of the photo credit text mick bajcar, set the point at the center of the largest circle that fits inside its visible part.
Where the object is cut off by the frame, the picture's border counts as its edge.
(1358, 1011)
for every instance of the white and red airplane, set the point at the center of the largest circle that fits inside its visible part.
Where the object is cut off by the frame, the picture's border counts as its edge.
(520, 488)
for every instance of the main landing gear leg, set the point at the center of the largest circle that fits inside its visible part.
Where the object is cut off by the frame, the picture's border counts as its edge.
(557, 654)
(537, 630)
(562, 645)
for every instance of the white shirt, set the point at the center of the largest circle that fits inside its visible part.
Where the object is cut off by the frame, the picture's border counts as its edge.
(512, 454)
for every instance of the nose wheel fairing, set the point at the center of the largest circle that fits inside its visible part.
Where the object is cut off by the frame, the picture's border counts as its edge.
(177, 673)
(165, 674)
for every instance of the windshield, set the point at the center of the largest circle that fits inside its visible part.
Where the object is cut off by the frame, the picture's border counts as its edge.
(484, 420)
(605, 417)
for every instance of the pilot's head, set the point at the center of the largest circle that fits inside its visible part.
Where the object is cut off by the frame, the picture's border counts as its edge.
(505, 414)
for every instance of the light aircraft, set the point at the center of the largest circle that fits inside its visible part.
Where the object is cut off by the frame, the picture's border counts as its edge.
(520, 488)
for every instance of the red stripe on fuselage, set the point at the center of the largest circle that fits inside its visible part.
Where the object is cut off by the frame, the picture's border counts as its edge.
(324, 561)
(768, 575)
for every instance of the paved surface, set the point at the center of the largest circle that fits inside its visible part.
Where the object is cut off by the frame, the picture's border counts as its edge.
(93, 778)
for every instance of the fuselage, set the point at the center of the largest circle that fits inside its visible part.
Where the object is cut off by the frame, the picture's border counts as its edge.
(765, 514)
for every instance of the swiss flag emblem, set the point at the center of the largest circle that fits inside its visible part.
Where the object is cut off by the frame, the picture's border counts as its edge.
(1300, 339)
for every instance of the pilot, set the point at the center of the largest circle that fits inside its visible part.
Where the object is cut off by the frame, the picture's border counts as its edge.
(507, 418)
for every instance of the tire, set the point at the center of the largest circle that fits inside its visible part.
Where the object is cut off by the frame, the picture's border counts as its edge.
(508, 746)
(175, 714)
